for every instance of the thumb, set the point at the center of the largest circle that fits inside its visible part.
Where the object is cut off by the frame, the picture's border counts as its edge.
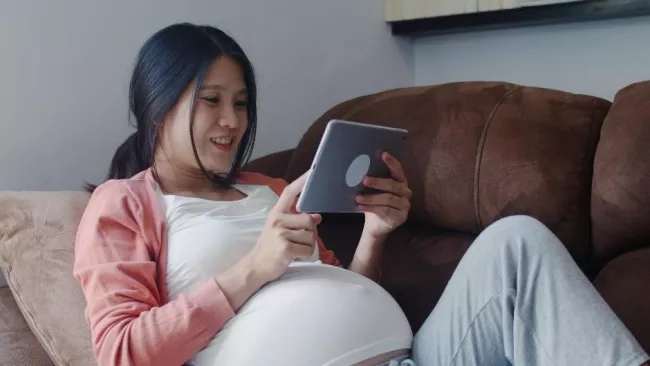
(290, 193)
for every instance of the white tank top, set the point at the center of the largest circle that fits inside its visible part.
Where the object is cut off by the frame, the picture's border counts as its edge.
(315, 314)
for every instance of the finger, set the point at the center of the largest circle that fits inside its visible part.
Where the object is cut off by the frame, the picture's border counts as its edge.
(396, 170)
(299, 221)
(300, 252)
(301, 237)
(289, 194)
(384, 199)
(388, 185)
(317, 218)
(388, 214)
(381, 211)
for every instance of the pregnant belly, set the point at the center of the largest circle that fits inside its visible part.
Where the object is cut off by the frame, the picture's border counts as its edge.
(314, 315)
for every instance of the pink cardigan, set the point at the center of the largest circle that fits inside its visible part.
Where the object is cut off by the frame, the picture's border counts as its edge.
(120, 261)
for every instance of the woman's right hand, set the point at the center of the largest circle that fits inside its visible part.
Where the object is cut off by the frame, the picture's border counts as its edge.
(286, 236)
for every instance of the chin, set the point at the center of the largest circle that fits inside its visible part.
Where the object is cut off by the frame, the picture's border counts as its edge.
(218, 162)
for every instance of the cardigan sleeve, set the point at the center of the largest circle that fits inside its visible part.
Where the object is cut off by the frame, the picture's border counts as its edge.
(115, 266)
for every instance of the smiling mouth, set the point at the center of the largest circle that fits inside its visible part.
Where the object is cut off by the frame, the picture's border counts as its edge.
(223, 143)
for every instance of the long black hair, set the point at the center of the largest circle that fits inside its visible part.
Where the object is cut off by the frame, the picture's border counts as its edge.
(166, 65)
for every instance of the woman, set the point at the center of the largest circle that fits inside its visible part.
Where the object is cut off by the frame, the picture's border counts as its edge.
(184, 258)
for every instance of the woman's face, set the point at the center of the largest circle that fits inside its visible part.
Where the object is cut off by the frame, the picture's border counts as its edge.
(220, 120)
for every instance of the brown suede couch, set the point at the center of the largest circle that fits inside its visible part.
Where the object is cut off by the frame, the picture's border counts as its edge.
(477, 152)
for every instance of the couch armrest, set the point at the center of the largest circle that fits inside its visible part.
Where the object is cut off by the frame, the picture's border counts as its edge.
(273, 165)
(624, 283)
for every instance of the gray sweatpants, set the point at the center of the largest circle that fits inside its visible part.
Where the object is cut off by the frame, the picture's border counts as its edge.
(517, 297)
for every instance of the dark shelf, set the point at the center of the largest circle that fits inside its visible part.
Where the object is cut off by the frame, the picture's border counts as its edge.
(528, 16)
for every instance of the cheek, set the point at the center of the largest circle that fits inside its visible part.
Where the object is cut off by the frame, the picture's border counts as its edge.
(201, 127)
(176, 137)
(243, 122)
(180, 134)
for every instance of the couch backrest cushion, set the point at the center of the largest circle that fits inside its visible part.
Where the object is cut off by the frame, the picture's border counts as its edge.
(621, 184)
(479, 151)
(37, 234)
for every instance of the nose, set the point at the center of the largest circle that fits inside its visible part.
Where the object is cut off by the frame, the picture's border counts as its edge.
(228, 117)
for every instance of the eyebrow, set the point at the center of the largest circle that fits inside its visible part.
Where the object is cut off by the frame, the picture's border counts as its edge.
(220, 88)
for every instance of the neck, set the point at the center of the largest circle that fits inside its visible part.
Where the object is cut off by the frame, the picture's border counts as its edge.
(175, 179)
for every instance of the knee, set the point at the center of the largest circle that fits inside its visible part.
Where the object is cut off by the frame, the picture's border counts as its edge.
(523, 233)
(518, 224)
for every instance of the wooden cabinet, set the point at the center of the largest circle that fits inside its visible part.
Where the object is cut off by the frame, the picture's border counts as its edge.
(398, 10)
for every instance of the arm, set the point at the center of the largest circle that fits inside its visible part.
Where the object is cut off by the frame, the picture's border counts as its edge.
(240, 282)
(368, 256)
(384, 212)
(128, 323)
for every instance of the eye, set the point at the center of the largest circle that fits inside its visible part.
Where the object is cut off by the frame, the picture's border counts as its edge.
(241, 104)
(212, 100)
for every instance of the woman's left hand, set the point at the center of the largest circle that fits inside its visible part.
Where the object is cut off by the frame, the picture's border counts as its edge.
(387, 210)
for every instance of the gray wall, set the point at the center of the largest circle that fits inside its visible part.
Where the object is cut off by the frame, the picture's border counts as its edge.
(65, 65)
(596, 58)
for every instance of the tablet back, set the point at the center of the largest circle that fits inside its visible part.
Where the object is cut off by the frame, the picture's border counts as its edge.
(348, 151)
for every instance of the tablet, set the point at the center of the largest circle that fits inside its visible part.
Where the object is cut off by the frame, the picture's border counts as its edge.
(348, 151)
